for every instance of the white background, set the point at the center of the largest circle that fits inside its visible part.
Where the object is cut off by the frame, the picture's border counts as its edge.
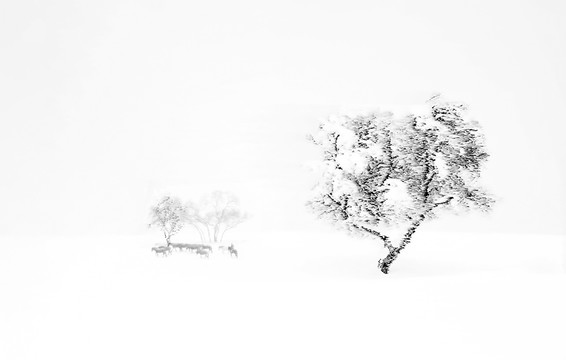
(104, 101)
(106, 104)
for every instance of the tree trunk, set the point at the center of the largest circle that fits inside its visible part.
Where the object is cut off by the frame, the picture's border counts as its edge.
(208, 233)
(216, 233)
(386, 262)
(222, 234)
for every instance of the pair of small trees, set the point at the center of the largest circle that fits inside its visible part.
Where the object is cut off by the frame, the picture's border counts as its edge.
(381, 172)
(215, 214)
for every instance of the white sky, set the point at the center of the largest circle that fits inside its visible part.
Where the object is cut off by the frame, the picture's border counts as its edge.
(104, 102)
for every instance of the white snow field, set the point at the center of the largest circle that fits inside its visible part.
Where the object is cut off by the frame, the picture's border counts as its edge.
(288, 296)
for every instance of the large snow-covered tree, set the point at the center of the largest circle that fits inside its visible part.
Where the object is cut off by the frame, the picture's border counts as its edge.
(169, 215)
(382, 173)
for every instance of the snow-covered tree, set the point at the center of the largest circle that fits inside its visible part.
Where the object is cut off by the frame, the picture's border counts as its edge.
(383, 174)
(169, 215)
(216, 213)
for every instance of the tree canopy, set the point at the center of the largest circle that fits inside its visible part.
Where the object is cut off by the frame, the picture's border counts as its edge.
(382, 171)
(170, 215)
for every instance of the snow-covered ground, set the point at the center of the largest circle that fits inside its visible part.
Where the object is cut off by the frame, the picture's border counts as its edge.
(288, 296)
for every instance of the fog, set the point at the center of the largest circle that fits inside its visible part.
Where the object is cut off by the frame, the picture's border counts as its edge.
(107, 104)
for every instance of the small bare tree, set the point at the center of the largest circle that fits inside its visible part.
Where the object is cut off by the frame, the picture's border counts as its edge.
(382, 173)
(169, 215)
(217, 213)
